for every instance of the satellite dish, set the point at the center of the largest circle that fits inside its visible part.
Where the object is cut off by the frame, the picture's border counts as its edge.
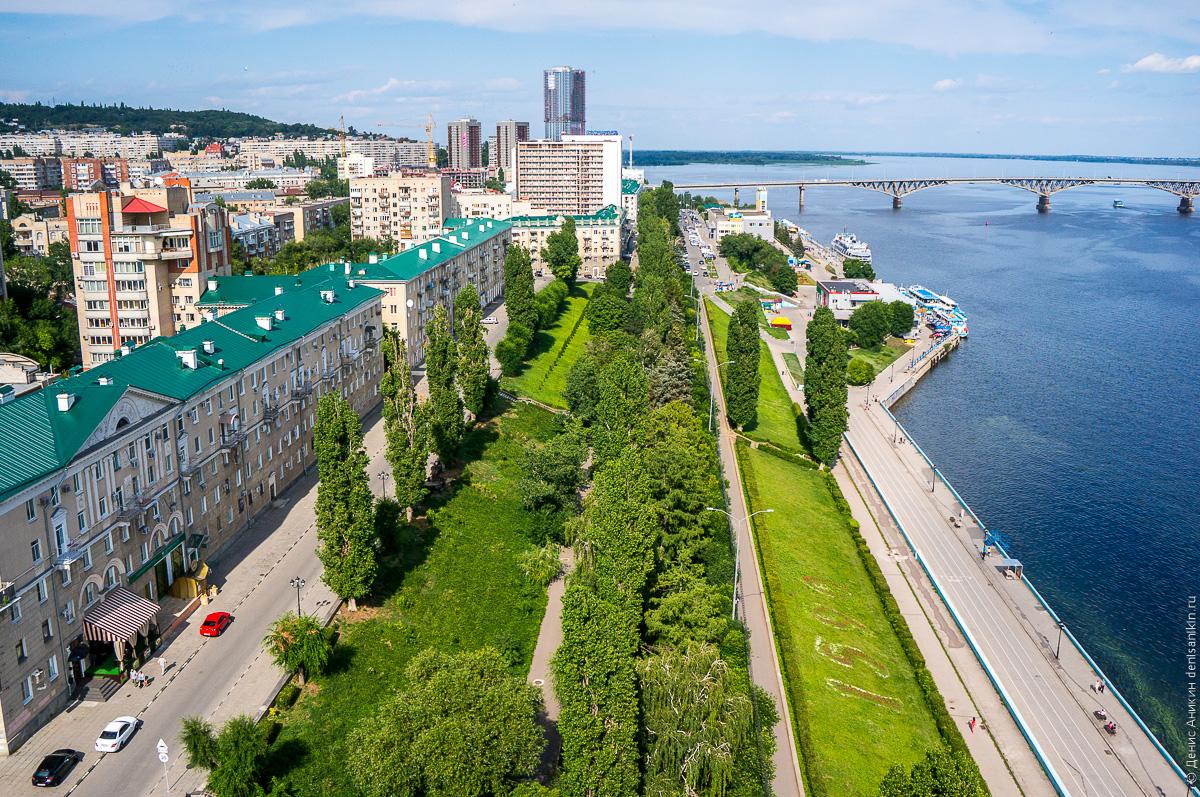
(409, 303)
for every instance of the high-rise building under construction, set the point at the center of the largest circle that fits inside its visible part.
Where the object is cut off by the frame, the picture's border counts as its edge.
(565, 94)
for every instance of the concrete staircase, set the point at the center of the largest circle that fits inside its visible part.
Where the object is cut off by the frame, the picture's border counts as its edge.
(99, 690)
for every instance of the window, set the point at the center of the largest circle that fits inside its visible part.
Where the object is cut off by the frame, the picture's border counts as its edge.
(35, 548)
(116, 460)
(98, 470)
(27, 689)
(168, 466)
(145, 552)
(47, 630)
(110, 577)
(195, 415)
(89, 594)
(81, 519)
(125, 534)
(217, 495)
(108, 543)
(87, 558)
(188, 515)
(14, 612)
(65, 576)
(103, 507)
(52, 667)
(69, 612)
(43, 592)
(21, 651)
(30, 510)
(55, 496)
(75, 482)
(208, 406)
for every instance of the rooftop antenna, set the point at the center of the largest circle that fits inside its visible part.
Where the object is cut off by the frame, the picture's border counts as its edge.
(342, 135)
(630, 150)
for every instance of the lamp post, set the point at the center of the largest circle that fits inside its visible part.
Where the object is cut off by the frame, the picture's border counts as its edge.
(711, 395)
(737, 547)
(1058, 649)
(298, 584)
(383, 477)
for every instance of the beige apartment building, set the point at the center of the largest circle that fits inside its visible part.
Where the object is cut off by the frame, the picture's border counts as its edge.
(122, 480)
(407, 206)
(575, 175)
(34, 174)
(140, 260)
(33, 235)
(413, 282)
(508, 133)
(599, 236)
(476, 203)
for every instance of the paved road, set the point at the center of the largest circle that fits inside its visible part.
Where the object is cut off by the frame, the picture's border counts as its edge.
(1053, 699)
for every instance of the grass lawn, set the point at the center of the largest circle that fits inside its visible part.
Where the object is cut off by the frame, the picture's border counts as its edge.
(776, 422)
(881, 358)
(741, 295)
(545, 374)
(457, 586)
(855, 701)
(795, 367)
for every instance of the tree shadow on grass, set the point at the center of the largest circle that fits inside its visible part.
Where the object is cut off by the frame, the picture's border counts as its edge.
(342, 658)
(284, 756)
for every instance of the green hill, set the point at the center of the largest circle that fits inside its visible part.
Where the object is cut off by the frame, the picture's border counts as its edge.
(123, 118)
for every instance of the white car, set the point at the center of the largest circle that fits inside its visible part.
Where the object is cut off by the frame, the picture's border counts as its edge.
(117, 734)
(491, 319)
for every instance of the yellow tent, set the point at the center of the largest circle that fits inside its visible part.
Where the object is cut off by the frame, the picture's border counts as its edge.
(781, 322)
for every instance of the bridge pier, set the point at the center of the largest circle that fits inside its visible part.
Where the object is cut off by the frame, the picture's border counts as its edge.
(1185, 204)
(896, 203)
(800, 205)
(1043, 203)
(735, 197)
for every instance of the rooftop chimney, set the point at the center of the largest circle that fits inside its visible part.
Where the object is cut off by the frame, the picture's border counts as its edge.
(209, 315)
(264, 321)
(489, 224)
(212, 283)
(423, 254)
(6, 393)
(279, 314)
(466, 234)
(209, 347)
(124, 349)
(437, 246)
(278, 290)
(350, 283)
(188, 356)
(347, 267)
(65, 400)
(104, 380)
(373, 257)
(327, 296)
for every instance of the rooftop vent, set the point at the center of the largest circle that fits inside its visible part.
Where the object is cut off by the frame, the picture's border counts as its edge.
(347, 267)
(189, 359)
(423, 254)
(437, 246)
(350, 283)
(104, 380)
(125, 349)
(333, 266)
(466, 234)
(209, 315)
(65, 400)
(452, 238)
(263, 321)
(278, 313)
(482, 228)
(278, 290)
(209, 347)
(6, 393)
(373, 257)
(489, 224)
(212, 284)
(327, 296)
(221, 363)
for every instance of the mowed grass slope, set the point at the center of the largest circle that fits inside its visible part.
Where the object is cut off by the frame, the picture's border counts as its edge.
(882, 357)
(457, 586)
(545, 373)
(776, 422)
(855, 701)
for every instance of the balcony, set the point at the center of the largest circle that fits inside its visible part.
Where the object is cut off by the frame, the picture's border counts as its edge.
(270, 411)
(302, 390)
(232, 438)
(131, 508)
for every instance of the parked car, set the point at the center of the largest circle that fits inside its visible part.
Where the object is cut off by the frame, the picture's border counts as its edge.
(491, 319)
(56, 766)
(215, 624)
(117, 734)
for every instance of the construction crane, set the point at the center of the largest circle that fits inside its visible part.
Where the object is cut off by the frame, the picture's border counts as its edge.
(430, 149)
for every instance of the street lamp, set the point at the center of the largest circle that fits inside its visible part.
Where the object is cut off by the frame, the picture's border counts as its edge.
(737, 546)
(298, 583)
(383, 477)
(1058, 649)
(711, 394)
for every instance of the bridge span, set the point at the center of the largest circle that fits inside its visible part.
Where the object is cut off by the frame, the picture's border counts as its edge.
(1044, 187)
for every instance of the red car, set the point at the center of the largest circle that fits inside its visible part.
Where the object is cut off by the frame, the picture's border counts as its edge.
(215, 624)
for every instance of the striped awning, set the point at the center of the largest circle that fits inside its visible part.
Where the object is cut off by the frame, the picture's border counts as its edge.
(120, 617)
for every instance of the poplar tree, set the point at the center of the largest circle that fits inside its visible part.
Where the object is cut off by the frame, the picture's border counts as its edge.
(741, 375)
(405, 426)
(561, 252)
(518, 287)
(473, 367)
(345, 506)
(825, 391)
(445, 406)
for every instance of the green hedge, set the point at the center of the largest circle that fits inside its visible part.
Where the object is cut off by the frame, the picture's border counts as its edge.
(946, 725)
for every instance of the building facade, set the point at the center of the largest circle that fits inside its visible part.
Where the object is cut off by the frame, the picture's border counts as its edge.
(34, 173)
(125, 478)
(630, 191)
(33, 235)
(464, 144)
(565, 99)
(598, 234)
(477, 203)
(576, 175)
(140, 260)
(92, 143)
(407, 206)
(283, 178)
(508, 133)
(258, 234)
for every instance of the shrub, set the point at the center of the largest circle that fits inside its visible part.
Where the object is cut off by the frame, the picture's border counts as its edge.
(542, 565)
(510, 351)
(859, 372)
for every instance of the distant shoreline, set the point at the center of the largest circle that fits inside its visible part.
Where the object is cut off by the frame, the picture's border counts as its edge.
(845, 158)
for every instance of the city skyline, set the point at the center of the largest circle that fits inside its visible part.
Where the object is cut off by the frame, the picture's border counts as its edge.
(1121, 79)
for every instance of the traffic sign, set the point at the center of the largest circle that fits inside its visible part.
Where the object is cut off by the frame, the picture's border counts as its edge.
(161, 747)
(163, 757)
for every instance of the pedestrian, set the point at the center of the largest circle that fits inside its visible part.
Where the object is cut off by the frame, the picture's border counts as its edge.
(982, 554)
(162, 664)
(971, 724)
(136, 677)
(1095, 686)
(1100, 687)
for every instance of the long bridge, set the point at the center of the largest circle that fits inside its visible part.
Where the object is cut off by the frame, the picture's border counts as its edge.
(1044, 187)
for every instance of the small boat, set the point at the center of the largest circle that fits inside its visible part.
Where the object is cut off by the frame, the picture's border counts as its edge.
(1117, 203)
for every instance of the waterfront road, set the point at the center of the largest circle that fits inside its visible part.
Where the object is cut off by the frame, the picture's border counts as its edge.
(1051, 699)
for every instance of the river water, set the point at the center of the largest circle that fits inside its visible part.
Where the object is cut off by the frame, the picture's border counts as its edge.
(1069, 420)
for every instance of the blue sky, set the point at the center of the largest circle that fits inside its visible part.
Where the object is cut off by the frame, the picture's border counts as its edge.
(1026, 76)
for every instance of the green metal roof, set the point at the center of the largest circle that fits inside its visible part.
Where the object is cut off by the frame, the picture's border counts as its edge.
(630, 187)
(409, 263)
(242, 290)
(609, 213)
(36, 438)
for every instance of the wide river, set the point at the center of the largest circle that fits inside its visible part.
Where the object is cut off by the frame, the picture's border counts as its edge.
(1070, 421)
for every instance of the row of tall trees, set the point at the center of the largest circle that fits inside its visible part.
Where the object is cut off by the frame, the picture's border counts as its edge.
(741, 379)
(649, 703)
(530, 310)
(825, 385)
(747, 252)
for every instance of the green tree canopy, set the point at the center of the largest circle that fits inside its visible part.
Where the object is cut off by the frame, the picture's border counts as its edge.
(825, 384)
(405, 425)
(233, 756)
(741, 376)
(619, 277)
(298, 644)
(940, 774)
(870, 322)
(474, 369)
(561, 252)
(518, 287)
(607, 310)
(465, 726)
(441, 370)
(902, 316)
(859, 372)
(260, 182)
(854, 268)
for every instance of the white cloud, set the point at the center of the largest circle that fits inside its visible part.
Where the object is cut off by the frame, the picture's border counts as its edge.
(1104, 71)
(503, 84)
(13, 95)
(778, 117)
(947, 84)
(394, 86)
(1157, 62)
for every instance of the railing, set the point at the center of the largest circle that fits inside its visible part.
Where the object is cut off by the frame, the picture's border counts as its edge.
(302, 390)
(73, 552)
(270, 411)
(232, 439)
(130, 509)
